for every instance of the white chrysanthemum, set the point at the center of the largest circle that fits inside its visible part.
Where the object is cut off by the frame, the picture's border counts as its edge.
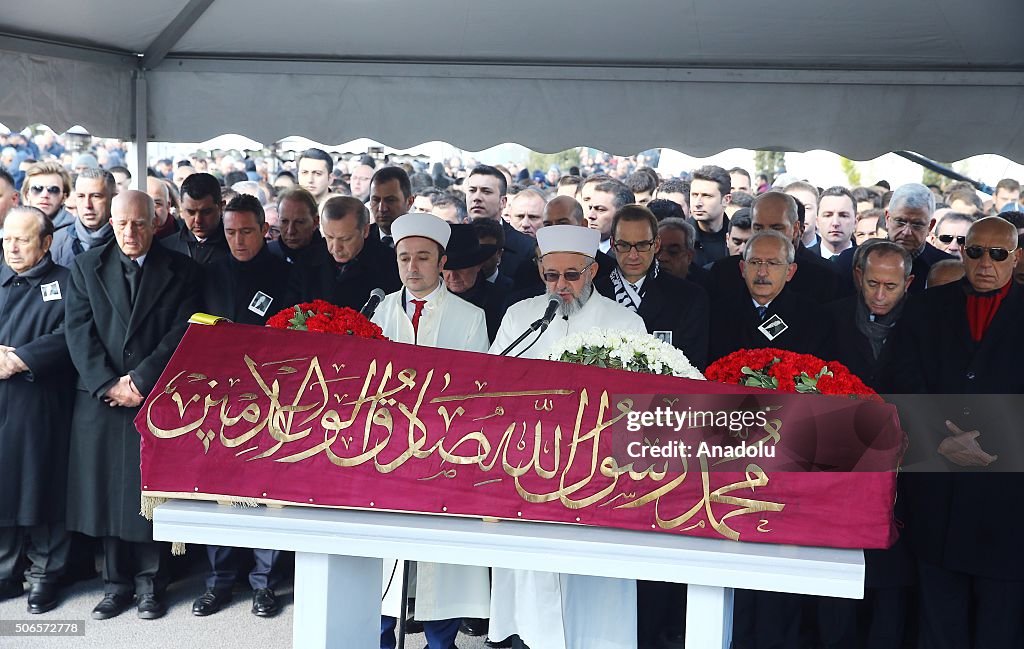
(628, 348)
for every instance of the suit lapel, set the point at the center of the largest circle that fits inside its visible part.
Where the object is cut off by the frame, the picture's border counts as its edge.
(652, 301)
(111, 278)
(156, 275)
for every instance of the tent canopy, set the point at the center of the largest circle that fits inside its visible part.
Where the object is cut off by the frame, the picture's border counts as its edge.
(941, 77)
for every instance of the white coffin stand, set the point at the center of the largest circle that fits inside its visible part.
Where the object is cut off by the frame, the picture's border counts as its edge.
(339, 557)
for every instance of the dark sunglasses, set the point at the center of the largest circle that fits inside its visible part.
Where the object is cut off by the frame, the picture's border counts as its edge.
(948, 238)
(569, 275)
(997, 254)
(36, 190)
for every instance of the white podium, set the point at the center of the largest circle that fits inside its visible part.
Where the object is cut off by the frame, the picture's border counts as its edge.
(339, 557)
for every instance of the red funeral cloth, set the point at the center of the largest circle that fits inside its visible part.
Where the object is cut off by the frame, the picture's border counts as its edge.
(309, 418)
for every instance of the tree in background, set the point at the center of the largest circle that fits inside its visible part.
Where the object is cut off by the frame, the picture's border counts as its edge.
(769, 163)
(563, 160)
(850, 169)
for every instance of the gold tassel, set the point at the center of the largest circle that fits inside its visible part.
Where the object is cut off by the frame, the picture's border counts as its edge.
(178, 548)
(149, 503)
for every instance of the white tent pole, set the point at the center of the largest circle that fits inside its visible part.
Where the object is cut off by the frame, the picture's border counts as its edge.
(137, 150)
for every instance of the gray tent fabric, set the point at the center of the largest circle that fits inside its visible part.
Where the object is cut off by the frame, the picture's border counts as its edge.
(941, 77)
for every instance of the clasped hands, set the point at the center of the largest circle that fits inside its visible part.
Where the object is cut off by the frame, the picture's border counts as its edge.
(123, 393)
(10, 364)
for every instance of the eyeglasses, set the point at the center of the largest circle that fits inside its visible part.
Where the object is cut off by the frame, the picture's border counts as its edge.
(569, 275)
(948, 238)
(770, 265)
(997, 254)
(903, 223)
(36, 190)
(624, 247)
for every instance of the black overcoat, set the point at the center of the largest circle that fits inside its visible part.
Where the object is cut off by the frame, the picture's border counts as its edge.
(35, 406)
(108, 338)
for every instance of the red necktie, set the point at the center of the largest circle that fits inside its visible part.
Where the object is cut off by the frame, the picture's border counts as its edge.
(416, 314)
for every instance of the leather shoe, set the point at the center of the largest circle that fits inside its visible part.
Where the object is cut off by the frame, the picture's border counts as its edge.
(42, 598)
(475, 627)
(9, 589)
(150, 607)
(210, 602)
(264, 603)
(500, 644)
(112, 605)
(413, 625)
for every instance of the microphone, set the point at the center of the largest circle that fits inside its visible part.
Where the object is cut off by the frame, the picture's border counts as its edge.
(549, 313)
(541, 324)
(376, 296)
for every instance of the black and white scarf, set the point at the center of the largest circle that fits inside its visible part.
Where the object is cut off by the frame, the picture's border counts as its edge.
(628, 295)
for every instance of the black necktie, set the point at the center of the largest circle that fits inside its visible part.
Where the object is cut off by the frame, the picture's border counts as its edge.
(133, 275)
(388, 241)
(762, 311)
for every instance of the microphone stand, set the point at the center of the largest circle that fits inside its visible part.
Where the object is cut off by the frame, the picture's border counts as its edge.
(540, 324)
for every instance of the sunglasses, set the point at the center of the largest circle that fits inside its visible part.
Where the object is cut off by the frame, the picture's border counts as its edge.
(997, 254)
(948, 238)
(569, 275)
(54, 190)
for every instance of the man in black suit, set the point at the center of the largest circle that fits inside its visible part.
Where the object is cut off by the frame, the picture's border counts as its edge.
(814, 278)
(675, 310)
(486, 190)
(463, 276)
(354, 262)
(863, 339)
(391, 196)
(962, 341)
(862, 324)
(908, 220)
(202, 234)
(766, 312)
(300, 241)
(126, 310)
(248, 287)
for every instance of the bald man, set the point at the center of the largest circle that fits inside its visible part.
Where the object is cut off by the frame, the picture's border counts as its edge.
(961, 341)
(161, 195)
(127, 305)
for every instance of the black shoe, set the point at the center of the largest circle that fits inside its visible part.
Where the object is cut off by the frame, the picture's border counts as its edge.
(151, 607)
(264, 603)
(475, 627)
(210, 602)
(112, 605)
(42, 598)
(413, 626)
(9, 589)
(503, 644)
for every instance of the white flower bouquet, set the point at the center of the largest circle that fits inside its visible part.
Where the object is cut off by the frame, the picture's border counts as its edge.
(624, 350)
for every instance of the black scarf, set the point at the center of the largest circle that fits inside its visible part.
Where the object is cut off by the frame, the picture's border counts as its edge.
(877, 330)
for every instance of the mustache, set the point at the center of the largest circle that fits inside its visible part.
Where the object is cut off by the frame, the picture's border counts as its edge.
(762, 282)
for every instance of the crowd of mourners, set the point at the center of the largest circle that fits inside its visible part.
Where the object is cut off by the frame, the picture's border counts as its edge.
(915, 288)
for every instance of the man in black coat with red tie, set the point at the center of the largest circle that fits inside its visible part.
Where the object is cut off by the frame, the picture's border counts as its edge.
(962, 341)
(354, 262)
(673, 309)
(127, 307)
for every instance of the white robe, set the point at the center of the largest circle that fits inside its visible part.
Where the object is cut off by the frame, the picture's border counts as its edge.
(442, 591)
(550, 610)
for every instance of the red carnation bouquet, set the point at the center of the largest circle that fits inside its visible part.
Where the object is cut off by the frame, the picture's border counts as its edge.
(324, 317)
(777, 369)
